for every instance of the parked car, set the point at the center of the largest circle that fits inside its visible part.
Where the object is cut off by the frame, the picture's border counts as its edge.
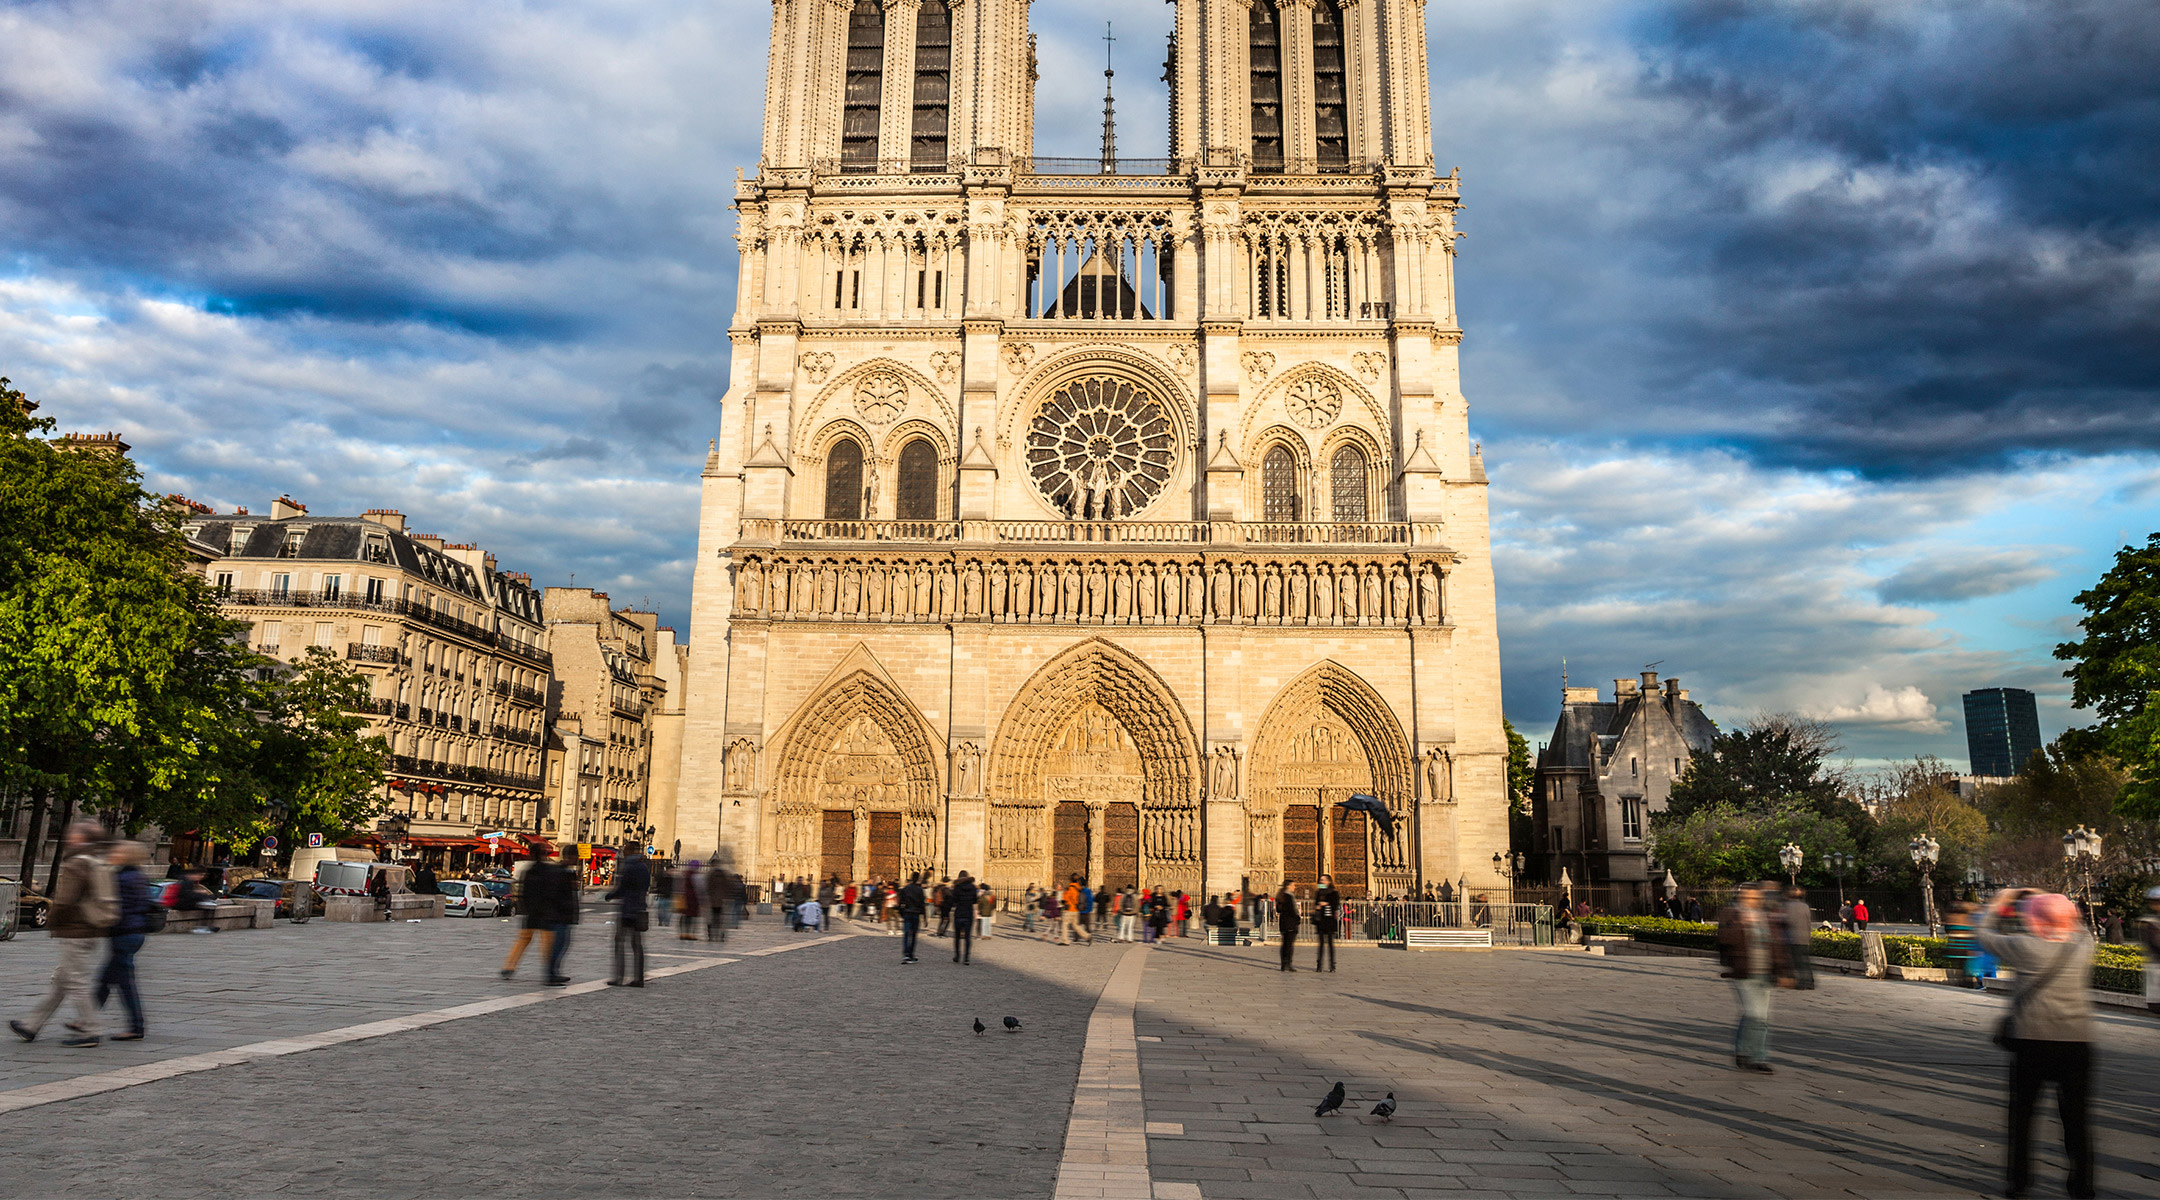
(468, 898)
(32, 909)
(280, 890)
(505, 893)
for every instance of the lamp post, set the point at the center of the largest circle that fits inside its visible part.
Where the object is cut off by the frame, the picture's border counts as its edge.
(1839, 862)
(1790, 855)
(1925, 851)
(2081, 853)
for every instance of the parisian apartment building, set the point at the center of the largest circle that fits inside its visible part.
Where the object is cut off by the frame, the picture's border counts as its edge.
(612, 668)
(453, 646)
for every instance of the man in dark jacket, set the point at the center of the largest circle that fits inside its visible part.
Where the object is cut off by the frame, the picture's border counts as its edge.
(83, 908)
(912, 907)
(941, 896)
(549, 896)
(1326, 911)
(1286, 922)
(962, 900)
(633, 882)
(126, 937)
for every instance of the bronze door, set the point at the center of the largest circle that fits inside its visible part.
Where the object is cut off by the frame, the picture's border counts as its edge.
(837, 845)
(1347, 854)
(1301, 845)
(1068, 842)
(885, 846)
(1121, 846)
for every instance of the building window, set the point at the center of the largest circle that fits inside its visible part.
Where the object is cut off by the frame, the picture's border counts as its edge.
(843, 481)
(915, 499)
(266, 635)
(865, 83)
(323, 632)
(224, 581)
(371, 635)
(1347, 476)
(333, 586)
(1630, 820)
(1279, 485)
(933, 88)
(1267, 123)
(374, 591)
(280, 584)
(1329, 121)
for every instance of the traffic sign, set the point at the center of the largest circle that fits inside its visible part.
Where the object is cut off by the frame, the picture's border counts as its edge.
(314, 841)
(270, 843)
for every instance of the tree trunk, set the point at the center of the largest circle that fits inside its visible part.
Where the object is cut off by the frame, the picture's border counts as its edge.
(34, 836)
(60, 827)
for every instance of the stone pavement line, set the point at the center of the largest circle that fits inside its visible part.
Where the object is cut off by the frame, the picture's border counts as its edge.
(1106, 1137)
(109, 1081)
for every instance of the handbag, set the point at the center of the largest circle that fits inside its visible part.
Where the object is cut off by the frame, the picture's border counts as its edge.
(2006, 1030)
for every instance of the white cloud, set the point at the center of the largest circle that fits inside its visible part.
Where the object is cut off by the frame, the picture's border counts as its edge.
(1904, 708)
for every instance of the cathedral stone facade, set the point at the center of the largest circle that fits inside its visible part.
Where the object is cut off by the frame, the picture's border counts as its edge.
(1103, 517)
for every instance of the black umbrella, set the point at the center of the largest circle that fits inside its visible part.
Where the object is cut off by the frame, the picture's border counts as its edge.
(1360, 802)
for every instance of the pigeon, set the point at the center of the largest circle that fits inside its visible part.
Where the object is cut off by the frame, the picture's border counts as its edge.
(1371, 806)
(1333, 1102)
(1385, 1110)
(979, 1026)
(1012, 1023)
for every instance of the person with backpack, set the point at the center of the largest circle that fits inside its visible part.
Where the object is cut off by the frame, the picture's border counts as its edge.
(962, 899)
(913, 904)
(85, 905)
(125, 938)
(2049, 1028)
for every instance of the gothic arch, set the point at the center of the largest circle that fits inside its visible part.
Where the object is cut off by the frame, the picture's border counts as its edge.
(833, 401)
(1377, 471)
(1095, 727)
(1326, 735)
(1303, 467)
(859, 748)
(1274, 405)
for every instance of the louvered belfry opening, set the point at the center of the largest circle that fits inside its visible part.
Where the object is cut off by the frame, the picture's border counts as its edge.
(865, 84)
(1267, 103)
(933, 88)
(1331, 124)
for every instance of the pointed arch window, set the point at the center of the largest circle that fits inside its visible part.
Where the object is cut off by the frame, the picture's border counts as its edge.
(1347, 476)
(843, 481)
(1330, 107)
(865, 82)
(933, 87)
(915, 499)
(1267, 108)
(1278, 485)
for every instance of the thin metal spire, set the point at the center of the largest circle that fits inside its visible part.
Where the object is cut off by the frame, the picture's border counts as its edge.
(1109, 108)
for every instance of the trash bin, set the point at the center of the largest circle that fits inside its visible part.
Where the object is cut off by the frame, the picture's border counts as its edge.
(9, 891)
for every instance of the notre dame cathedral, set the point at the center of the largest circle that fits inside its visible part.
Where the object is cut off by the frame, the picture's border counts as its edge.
(1096, 515)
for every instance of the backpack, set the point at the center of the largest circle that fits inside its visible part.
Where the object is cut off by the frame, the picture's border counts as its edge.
(101, 907)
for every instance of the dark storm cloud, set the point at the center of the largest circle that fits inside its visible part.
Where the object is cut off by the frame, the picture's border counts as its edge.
(1970, 576)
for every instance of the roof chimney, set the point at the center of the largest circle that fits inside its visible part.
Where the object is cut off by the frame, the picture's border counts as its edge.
(284, 508)
(1623, 688)
(1649, 682)
(389, 518)
(100, 443)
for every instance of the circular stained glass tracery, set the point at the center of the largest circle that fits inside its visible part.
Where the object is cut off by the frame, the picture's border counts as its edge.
(1101, 448)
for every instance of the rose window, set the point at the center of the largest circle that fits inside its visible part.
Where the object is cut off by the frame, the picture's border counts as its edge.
(1101, 448)
(880, 397)
(1314, 402)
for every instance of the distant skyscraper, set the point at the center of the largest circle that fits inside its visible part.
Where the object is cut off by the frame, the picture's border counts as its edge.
(2002, 729)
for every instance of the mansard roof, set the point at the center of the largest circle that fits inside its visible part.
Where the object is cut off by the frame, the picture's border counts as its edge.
(1588, 730)
(359, 540)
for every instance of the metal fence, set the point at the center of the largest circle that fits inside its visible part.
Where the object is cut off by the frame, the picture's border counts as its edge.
(1387, 921)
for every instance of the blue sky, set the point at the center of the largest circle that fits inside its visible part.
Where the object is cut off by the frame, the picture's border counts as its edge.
(1814, 347)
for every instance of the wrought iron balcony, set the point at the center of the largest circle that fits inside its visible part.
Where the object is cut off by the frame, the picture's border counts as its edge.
(362, 652)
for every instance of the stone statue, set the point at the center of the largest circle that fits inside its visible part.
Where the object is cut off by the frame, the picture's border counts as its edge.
(1069, 593)
(1223, 781)
(1429, 595)
(1248, 593)
(997, 589)
(1195, 593)
(1398, 593)
(1225, 601)
(1097, 480)
(1173, 591)
(749, 588)
(1023, 592)
(1439, 777)
(1346, 592)
(1095, 592)
(1046, 590)
(1323, 594)
(850, 591)
(828, 586)
(903, 591)
(1121, 593)
(1375, 609)
(967, 760)
(1294, 584)
(921, 607)
(1144, 591)
(945, 591)
(971, 587)
(874, 590)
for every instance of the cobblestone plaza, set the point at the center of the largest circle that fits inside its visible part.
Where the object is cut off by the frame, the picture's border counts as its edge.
(391, 1061)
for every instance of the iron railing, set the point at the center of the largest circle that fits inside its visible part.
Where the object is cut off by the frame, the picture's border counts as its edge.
(1386, 920)
(1188, 533)
(361, 652)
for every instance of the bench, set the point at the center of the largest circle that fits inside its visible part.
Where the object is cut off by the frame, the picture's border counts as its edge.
(1449, 939)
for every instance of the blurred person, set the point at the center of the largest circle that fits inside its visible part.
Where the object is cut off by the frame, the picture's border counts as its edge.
(963, 898)
(1860, 914)
(690, 899)
(378, 889)
(663, 891)
(1286, 922)
(1755, 955)
(132, 888)
(847, 900)
(1105, 903)
(1799, 931)
(986, 909)
(810, 915)
(539, 899)
(2049, 1028)
(1072, 905)
(1326, 912)
(1053, 929)
(633, 880)
(2148, 936)
(912, 905)
(1183, 914)
(1030, 902)
(1844, 915)
(722, 890)
(1128, 915)
(84, 905)
(1959, 949)
(941, 896)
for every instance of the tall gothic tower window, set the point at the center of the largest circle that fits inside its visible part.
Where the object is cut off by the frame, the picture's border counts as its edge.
(1278, 485)
(1347, 473)
(933, 86)
(865, 82)
(1267, 107)
(1329, 120)
(843, 481)
(916, 497)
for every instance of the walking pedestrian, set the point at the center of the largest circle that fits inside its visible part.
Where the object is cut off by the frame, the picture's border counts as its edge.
(1844, 915)
(963, 898)
(986, 910)
(689, 900)
(1128, 915)
(2049, 1028)
(723, 892)
(1158, 914)
(84, 905)
(1053, 927)
(1183, 913)
(912, 905)
(1072, 904)
(663, 890)
(1326, 911)
(1860, 914)
(633, 879)
(132, 888)
(538, 903)
(1030, 902)
(1755, 955)
(2148, 936)
(1286, 922)
(1799, 931)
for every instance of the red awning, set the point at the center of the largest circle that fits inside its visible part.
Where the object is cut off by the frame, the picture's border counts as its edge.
(436, 843)
(603, 851)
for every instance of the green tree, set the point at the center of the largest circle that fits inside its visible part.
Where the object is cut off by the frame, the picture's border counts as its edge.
(1521, 771)
(1722, 843)
(2116, 669)
(1768, 764)
(319, 768)
(1922, 800)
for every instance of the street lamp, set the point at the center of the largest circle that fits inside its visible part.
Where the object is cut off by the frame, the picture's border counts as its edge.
(1839, 862)
(2081, 853)
(1790, 855)
(1925, 852)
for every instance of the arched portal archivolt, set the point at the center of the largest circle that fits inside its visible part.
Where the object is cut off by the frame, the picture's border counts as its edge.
(1327, 735)
(1095, 728)
(857, 776)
